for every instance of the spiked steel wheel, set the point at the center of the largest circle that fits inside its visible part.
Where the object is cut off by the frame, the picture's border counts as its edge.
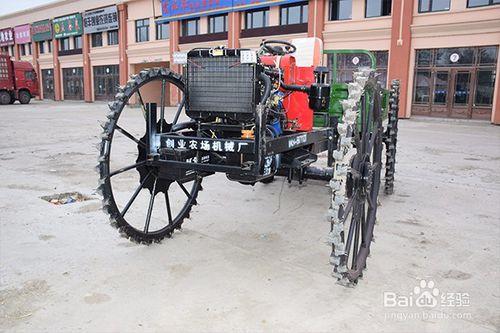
(123, 150)
(354, 220)
(391, 138)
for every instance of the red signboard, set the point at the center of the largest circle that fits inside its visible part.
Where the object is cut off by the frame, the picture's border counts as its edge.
(22, 34)
(7, 37)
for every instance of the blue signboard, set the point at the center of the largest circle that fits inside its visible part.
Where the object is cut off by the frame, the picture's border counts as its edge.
(181, 9)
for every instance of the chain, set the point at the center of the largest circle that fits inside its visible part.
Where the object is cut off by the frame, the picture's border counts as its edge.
(343, 157)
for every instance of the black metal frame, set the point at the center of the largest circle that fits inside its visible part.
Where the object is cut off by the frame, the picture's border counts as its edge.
(315, 141)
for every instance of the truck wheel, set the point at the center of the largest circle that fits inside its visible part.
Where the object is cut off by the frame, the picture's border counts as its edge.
(4, 98)
(24, 97)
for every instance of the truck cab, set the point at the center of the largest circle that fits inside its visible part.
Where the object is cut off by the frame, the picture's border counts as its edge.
(18, 81)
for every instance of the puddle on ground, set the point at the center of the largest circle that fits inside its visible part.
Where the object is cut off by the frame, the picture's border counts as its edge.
(65, 198)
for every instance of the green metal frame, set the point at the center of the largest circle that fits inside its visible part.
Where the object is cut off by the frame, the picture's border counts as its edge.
(339, 90)
(337, 52)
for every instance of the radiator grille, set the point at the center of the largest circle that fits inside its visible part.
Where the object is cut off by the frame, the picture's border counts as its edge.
(220, 86)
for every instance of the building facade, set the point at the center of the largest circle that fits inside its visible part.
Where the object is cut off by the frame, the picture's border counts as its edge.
(445, 52)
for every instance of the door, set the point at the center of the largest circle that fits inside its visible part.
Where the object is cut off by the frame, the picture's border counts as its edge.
(461, 101)
(48, 83)
(73, 83)
(440, 93)
(106, 82)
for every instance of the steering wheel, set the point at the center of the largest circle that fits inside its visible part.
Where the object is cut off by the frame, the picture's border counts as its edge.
(278, 47)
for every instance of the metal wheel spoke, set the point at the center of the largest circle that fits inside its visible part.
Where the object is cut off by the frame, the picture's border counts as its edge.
(348, 208)
(169, 212)
(363, 226)
(150, 208)
(141, 101)
(121, 170)
(179, 110)
(184, 189)
(134, 196)
(162, 104)
(350, 233)
(130, 136)
(356, 243)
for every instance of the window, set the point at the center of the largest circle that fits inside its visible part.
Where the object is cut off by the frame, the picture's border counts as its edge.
(113, 37)
(454, 56)
(41, 47)
(161, 30)
(422, 87)
(49, 46)
(217, 23)
(488, 55)
(425, 6)
(294, 14)
(11, 50)
(484, 87)
(78, 42)
(375, 8)
(29, 75)
(190, 27)
(340, 10)
(25, 49)
(424, 58)
(257, 18)
(142, 30)
(440, 87)
(96, 39)
(64, 44)
(480, 3)
(349, 63)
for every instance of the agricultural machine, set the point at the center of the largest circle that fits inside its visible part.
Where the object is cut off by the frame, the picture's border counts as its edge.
(252, 115)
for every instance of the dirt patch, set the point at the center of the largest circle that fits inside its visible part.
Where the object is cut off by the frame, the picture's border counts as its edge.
(410, 221)
(456, 275)
(65, 198)
(46, 237)
(96, 298)
(179, 271)
(25, 187)
(17, 304)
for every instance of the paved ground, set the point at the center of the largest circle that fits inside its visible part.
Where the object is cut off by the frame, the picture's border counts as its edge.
(251, 258)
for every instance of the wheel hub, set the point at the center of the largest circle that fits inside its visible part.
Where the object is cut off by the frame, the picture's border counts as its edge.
(148, 170)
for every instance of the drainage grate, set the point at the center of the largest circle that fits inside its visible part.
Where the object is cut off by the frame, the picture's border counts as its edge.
(65, 198)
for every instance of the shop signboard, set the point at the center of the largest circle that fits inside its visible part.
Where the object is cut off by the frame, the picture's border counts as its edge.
(101, 19)
(6, 37)
(22, 34)
(41, 30)
(181, 9)
(66, 26)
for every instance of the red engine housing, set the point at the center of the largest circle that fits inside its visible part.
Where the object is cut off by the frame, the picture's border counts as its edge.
(298, 113)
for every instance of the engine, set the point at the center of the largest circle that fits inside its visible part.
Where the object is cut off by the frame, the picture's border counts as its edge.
(226, 85)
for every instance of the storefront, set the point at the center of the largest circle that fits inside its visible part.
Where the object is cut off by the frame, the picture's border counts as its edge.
(48, 83)
(106, 82)
(455, 82)
(73, 83)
